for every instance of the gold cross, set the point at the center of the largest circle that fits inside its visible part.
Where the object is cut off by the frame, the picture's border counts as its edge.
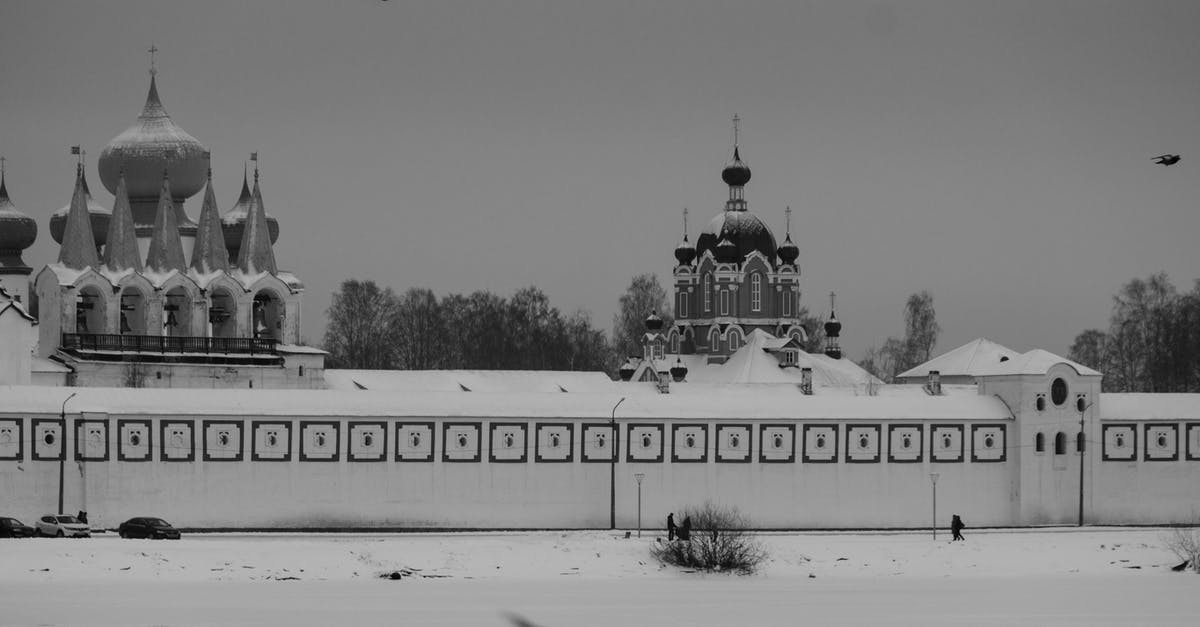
(736, 119)
(153, 49)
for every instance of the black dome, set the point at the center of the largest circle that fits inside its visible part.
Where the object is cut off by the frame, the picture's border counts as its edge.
(743, 229)
(833, 328)
(654, 322)
(736, 172)
(788, 252)
(685, 252)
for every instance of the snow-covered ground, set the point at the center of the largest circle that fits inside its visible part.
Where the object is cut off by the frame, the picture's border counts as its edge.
(1033, 577)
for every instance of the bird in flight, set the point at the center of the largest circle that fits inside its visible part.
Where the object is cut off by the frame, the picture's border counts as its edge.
(1167, 159)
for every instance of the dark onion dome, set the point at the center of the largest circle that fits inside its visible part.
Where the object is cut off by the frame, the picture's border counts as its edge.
(233, 222)
(99, 214)
(626, 371)
(742, 229)
(726, 251)
(152, 144)
(17, 230)
(685, 252)
(654, 322)
(788, 252)
(736, 172)
(833, 328)
(678, 371)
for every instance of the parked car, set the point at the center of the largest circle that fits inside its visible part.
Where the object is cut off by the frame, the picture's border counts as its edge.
(148, 527)
(62, 526)
(13, 528)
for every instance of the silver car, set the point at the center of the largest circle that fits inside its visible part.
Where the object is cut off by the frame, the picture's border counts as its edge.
(62, 526)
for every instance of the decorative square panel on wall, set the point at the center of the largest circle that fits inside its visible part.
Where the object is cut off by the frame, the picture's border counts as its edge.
(1191, 434)
(271, 441)
(1162, 443)
(645, 443)
(12, 435)
(862, 444)
(366, 441)
(820, 444)
(554, 442)
(689, 443)
(178, 439)
(320, 441)
(48, 439)
(135, 441)
(734, 444)
(91, 438)
(414, 441)
(905, 444)
(1118, 442)
(508, 442)
(946, 443)
(989, 443)
(222, 440)
(461, 441)
(598, 443)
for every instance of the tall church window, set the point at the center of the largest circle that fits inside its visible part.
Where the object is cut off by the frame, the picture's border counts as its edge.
(756, 292)
(735, 340)
(675, 343)
(708, 281)
(1060, 443)
(714, 341)
(787, 303)
(682, 307)
(724, 302)
(1039, 443)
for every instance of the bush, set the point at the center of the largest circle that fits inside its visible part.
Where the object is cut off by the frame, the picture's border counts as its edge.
(719, 541)
(1185, 543)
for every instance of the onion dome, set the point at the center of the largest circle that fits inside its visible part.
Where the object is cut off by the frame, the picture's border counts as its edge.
(743, 229)
(685, 252)
(627, 370)
(833, 328)
(233, 223)
(678, 371)
(726, 251)
(17, 231)
(152, 144)
(788, 252)
(654, 322)
(100, 216)
(736, 172)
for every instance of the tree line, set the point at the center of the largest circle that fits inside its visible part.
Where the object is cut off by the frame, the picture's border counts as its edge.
(897, 354)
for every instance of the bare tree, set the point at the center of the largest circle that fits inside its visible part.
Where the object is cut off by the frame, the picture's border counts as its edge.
(420, 331)
(359, 333)
(644, 295)
(896, 355)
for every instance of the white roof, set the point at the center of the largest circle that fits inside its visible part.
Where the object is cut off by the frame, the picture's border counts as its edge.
(494, 381)
(1166, 407)
(969, 359)
(1036, 361)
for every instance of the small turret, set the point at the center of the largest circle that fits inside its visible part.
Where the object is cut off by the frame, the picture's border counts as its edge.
(678, 371)
(833, 330)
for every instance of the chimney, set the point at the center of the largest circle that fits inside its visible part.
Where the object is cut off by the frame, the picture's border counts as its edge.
(935, 383)
(663, 382)
(806, 381)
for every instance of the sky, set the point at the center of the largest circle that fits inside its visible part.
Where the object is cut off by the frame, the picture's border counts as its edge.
(997, 154)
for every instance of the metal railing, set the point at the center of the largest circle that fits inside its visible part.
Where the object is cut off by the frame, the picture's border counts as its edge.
(163, 344)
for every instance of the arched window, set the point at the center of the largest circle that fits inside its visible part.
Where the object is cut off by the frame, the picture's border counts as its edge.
(707, 287)
(756, 291)
(735, 340)
(674, 342)
(682, 307)
(1060, 444)
(714, 341)
(1039, 443)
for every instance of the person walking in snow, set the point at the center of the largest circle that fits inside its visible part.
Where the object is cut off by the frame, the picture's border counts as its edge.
(685, 532)
(670, 526)
(956, 527)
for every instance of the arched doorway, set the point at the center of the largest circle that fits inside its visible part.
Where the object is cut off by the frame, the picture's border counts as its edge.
(89, 311)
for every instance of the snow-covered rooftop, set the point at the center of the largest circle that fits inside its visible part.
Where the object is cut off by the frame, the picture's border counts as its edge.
(969, 359)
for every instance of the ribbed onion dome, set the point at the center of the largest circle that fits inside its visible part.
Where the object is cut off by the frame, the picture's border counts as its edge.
(654, 322)
(17, 230)
(833, 328)
(736, 172)
(152, 144)
(233, 223)
(99, 214)
(788, 252)
(685, 252)
(742, 229)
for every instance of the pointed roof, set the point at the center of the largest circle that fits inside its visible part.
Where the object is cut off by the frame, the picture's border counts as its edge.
(166, 249)
(970, 359)
(255, 254)
(78, 249)
(1036, 361)
(100, 216)
(121, 251)
(209, 254)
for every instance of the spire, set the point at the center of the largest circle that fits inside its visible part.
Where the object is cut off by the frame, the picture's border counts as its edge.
(78, 249)
(736, 174)
(255, 254)
(166, 250)
(121, 250)
(209, 254)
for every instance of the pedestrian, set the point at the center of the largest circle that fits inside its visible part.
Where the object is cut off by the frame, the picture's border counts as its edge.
(670, 526)
(685, 532)
(82, 517)
(956, 527)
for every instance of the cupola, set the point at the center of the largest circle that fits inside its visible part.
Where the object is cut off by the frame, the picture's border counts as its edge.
(17, 230)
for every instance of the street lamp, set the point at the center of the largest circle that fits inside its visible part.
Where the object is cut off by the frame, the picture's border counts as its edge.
(62, 457)
(933, 477)
(639, 476)
(612, 469)
(1079, 445)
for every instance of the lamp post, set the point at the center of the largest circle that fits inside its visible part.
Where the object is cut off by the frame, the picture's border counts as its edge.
(62, 458)
(612, 469)
(1079, 444)
(639, 476)
(933, 477)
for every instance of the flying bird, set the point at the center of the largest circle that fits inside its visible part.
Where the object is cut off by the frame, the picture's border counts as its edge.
(1167, 159)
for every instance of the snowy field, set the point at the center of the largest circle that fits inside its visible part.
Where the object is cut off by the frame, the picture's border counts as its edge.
(1029, 577)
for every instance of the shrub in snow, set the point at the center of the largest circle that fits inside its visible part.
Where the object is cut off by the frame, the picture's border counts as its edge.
(1185, 543)
(719, 541)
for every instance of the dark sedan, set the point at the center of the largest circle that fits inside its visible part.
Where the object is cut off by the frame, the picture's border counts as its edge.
(147, 527)
(13, 528)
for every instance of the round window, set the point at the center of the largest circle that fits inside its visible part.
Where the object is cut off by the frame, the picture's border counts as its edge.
(691, 441)
(906, 442)
(946, 441)
(777, 441)
(820, 441)
(863, 441)
(223, 439)
(989, 441)
(368, 439)
(135, 439)
(1162, 441)
(48, 438)
(600, 440)
(462, 440)
(1041, 403)
(1080, 405)
(1120, 441)
(272, 439)
(1058, 391)
(508, 440)
(734, 440)
(320, 439)
(416, 439)
(554, 440)
(645, 440)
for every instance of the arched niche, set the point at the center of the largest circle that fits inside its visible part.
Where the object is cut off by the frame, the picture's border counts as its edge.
(266, 317)
(222, 312)
(90, 310)
(133, 309)
(177, 312)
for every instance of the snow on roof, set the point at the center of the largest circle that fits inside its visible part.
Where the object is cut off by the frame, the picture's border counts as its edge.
(1036, 361)
(299, 349)
(6, 305)
(743, 404)
(42, 364)
(487, 381)
(753, 363)
(969, 359)
(1172, 407)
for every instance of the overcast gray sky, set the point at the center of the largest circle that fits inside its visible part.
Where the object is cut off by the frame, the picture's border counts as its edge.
(994, 153)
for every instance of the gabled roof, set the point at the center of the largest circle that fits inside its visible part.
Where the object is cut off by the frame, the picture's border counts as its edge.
(1036, 361)
(970, 359)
